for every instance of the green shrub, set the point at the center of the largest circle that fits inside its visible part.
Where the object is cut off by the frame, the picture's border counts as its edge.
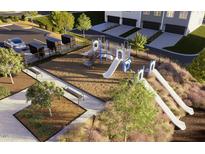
(132, 109)
(197, 68)
(139, 42)
(8, 20)
(4, 92)
(43, 22)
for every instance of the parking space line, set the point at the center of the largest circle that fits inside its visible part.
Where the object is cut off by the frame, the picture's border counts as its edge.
(6, 28)
(39, 41)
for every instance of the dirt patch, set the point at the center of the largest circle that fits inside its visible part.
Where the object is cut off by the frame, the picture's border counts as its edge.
(21, 81)
(71, 69)
(195, 131)
(41, 125)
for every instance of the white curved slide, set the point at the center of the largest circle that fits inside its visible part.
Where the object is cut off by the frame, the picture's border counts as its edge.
(112, 68)
(165, 108)
(171, 91)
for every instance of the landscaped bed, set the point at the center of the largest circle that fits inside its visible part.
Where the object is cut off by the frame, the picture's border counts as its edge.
(192, 43)
(21, 81)
(41, 125)
(70, 68)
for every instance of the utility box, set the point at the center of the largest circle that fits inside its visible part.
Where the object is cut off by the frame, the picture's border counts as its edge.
(68, 39)
(53, 44)
(37, 48)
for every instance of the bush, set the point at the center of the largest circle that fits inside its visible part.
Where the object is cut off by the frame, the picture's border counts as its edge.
(185, 85)
(8, 20)
(43, 22)
(139, 42)
(197, 68)
(4, 92)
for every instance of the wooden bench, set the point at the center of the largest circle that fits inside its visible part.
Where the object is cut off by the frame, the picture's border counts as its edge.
(35, 71)
(77, 95)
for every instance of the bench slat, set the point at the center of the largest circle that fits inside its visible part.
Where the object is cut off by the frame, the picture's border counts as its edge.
(73, 93)
(34, 71)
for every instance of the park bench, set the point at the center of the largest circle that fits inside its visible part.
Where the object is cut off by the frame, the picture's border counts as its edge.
(74, 93)
(37, 73)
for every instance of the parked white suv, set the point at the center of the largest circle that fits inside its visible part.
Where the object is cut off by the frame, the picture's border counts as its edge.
(16, 43)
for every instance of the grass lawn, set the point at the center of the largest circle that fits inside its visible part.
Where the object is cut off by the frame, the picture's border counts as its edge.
(192, 43)
(21, 81)
(41, 125)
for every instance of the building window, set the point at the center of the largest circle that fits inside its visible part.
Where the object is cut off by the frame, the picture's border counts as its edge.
(183, 14)
(146, 12)
(170, 14)
(157, 13)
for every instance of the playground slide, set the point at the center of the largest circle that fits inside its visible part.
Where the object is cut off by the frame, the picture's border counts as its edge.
(176, 97)
(112, 68)
(87, 53)
(165, 108)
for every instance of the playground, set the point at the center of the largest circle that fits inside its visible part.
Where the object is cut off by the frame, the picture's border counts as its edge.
(99, 68)
(70, 68)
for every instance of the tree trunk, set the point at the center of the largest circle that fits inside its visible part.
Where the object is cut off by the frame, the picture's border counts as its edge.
(84, 33)
(12, 81)
(50, 113)
(125, 136)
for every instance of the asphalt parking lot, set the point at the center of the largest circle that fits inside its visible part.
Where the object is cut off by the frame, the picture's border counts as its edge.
(27, 35)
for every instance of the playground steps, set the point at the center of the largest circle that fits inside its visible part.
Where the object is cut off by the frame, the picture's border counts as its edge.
(174, 95)
(165, 108)
(164, 94)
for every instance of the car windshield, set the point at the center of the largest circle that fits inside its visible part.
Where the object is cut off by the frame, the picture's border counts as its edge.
(16, 41)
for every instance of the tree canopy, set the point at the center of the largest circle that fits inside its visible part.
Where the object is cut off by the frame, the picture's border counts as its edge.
(43, 93)
(10, 62)
(62, 20)
(197, 68)
(83, 23)
(131, 109)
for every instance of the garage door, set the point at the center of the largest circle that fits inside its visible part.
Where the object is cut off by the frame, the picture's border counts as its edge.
(113, 19)
(175, 29)
(151, 25)
(129, 22)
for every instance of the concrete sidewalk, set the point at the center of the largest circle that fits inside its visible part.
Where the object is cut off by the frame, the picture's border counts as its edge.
(90, 103)
(12, 130)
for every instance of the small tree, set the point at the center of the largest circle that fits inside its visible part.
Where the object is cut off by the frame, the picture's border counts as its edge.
(139, 42)
(132, 109)
(43, 93)
(62, 20)
(197, 68)
(10, 63)
(83, 23)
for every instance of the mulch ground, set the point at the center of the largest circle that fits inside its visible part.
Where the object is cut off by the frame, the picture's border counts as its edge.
(195, 131)
(71, 69)
(21, 81)
(41, 125)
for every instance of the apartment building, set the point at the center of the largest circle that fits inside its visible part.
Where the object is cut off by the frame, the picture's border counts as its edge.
(180, 22)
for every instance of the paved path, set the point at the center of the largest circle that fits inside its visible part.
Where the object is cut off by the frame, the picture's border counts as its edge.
(12, 130)
(117, 31)
(165, 39)
(103, 26)
(90, 103)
